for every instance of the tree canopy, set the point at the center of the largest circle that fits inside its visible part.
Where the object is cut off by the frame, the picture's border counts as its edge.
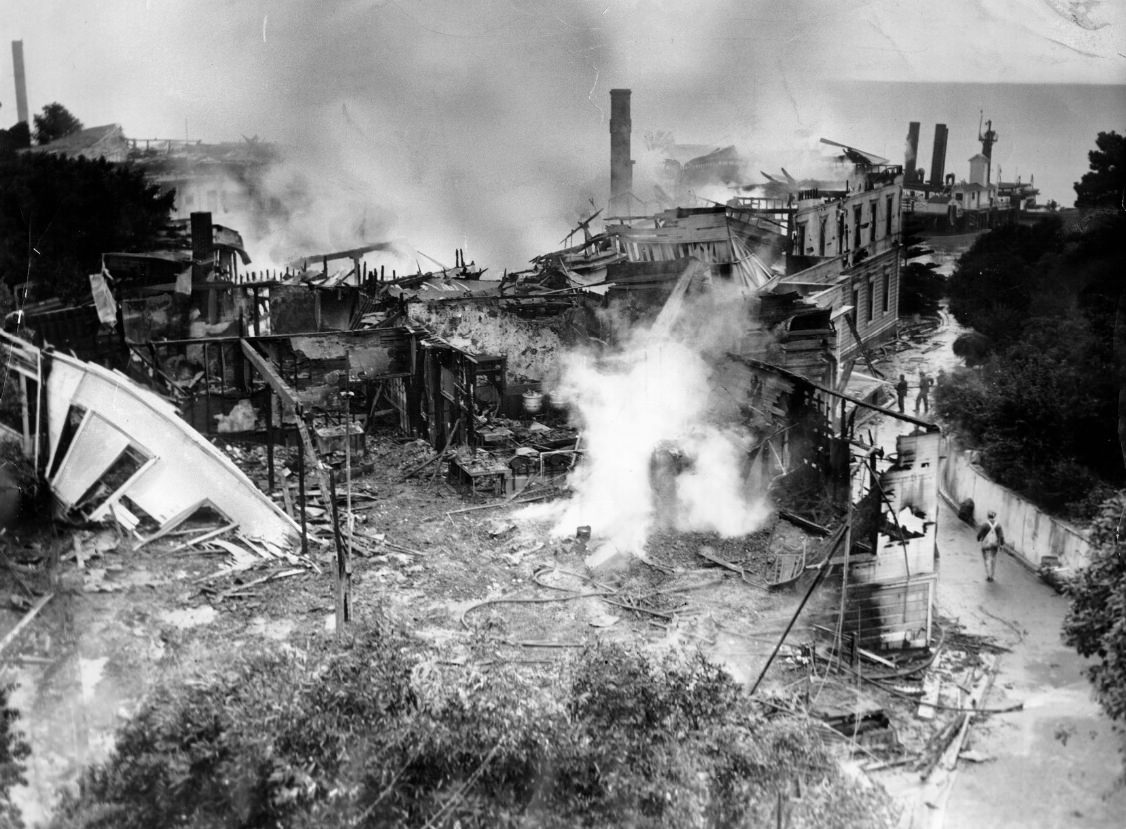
(1096, 621)
(1105, 184)
(1042, 404)
(56, 122)
(17, 137)
(58, 215)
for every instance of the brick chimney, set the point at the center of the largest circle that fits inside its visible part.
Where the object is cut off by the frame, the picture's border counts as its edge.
(203, 247)
(911, 161)
(21, 81)
(938, 160)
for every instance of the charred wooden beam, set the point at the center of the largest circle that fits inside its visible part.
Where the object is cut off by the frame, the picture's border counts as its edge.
(273, 379)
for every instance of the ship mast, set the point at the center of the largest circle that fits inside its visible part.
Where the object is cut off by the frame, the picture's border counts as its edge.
(987, 138)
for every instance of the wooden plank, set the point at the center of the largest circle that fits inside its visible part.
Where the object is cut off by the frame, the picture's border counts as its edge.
(123, 516)
(932, 684)
(205, 537)
(22, 356)
(287, 497)
(938, 789)
(278, 574)
(875, 658)
(270, 375)
(804, 523)
(175, 521)
(709, 554)
(243, 557)
(11, 635)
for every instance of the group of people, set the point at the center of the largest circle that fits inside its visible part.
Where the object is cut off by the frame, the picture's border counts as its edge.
(989, 535)
(922, 397)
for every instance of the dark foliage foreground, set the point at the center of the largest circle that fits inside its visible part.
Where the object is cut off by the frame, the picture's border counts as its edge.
(1096, 621)
(382, 732)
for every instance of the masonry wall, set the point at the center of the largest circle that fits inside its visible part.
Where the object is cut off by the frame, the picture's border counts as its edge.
(1029, 533)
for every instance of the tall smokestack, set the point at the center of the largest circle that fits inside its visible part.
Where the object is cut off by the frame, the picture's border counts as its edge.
(911, 162)
(21, 81)
(938, 160)
(203, 246)
(621, 165)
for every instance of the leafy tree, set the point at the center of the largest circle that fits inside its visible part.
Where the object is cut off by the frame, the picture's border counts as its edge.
(1105, 184)
(58, 215)
(1096, 621)
(972, 347)
(992, 287)
(56, 122)
(17, 137)
(1041, 413)
(1049, 343)
(14, 750)
(920, 290)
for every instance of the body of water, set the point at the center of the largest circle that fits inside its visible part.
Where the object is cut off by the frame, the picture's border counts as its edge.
(1044, 131)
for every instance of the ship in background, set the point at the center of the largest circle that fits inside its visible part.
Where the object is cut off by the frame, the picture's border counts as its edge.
(944, 205)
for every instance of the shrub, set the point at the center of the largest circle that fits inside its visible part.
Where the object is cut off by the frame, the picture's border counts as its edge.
(383, 732)
(1096, 621)
(14, 750)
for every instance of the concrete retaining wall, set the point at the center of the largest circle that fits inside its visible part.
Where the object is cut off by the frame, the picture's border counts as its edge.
(1029, 533)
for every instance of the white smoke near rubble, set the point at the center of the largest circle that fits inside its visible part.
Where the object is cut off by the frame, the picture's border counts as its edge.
(438, 125)
(451, 123)
(663, 440)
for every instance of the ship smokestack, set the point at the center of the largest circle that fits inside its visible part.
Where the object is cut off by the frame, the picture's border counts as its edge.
(911, 162)
(621, 165)
(21, 81)
(203, 246)
(938, 160)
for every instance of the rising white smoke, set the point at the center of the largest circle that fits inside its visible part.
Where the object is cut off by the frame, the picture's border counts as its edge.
(662, 441)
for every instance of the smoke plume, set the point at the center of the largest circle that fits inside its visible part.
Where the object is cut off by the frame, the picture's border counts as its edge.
(663, 445)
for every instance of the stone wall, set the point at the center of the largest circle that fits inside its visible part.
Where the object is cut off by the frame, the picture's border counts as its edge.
(1029, 533)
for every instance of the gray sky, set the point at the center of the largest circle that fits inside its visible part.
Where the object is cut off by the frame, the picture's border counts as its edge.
(454, 122)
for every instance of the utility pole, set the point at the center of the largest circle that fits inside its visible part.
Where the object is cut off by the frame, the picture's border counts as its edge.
(344, 547)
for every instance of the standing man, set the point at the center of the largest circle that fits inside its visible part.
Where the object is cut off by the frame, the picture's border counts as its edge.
(901, 393)
(991, 537)
(925, 384)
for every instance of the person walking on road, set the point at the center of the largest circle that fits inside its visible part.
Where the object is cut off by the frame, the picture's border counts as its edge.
(901, 393)
(991, 537)
(921, 401)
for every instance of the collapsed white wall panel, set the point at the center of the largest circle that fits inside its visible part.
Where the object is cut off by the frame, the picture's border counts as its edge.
(185, 470)
(96, 445)
(57, 415)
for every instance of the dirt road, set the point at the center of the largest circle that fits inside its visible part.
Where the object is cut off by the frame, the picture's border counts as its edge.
(1057, 761)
